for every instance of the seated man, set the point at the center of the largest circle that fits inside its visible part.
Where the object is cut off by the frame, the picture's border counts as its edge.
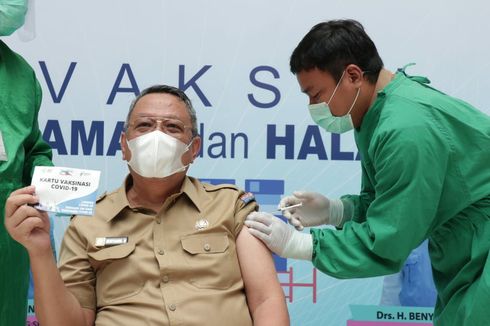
(188, 259)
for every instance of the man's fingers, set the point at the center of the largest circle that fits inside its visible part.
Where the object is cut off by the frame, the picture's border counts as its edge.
(258, 226)
(26, 190)
(45, 218)
(25, 228)
(22, 232)
(23, 212)
(16, 201)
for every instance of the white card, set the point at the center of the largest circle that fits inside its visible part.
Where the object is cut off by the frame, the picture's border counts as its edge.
(66, 190)
(3, 152)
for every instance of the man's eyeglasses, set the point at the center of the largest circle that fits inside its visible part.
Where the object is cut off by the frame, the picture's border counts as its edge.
(170, 126)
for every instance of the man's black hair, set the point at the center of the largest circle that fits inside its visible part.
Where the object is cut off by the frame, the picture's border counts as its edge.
(331, 46)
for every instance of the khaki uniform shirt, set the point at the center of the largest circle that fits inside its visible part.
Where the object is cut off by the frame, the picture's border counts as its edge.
(179, 266)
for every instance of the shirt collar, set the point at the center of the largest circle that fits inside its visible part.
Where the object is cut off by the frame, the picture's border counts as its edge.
(193, 191)
(118, 201)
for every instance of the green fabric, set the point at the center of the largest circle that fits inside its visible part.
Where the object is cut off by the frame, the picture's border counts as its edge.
(20, 98)
(425, 174)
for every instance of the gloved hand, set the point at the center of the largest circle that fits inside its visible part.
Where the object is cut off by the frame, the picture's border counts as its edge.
(279, 237)
(316, 209)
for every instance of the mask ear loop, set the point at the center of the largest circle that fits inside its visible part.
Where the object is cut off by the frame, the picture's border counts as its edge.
(355, 100)
(336, 87)
(186, 149)
(189, 145)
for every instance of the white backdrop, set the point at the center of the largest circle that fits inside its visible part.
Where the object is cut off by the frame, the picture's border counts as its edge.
(91, 56)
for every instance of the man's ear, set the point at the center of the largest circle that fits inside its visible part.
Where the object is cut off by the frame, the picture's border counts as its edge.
(195, 147)
(354, 75)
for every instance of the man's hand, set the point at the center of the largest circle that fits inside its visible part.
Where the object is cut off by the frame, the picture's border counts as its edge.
(279, 237)
(316, 209)
(25, 224)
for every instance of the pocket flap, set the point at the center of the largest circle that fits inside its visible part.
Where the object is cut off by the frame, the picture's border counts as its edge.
(116, 252)
(205, 243)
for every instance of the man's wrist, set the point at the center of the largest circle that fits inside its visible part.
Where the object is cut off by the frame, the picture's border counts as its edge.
(40, 254)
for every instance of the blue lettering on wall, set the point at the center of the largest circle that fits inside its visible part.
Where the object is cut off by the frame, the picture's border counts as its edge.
(274, 90)
(125, 69)
(57, 97)
(218, 148)
(312, 143)
(216, 145)
(114, 145)
(53, 129)
(312, 134)
(96, 134)
(192, 83)
(273, 141)
(53, 136)
(337, 154)
(220, 145)
(234, 139)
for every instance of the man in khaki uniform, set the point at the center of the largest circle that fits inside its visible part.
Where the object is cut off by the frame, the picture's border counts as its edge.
(164, 249)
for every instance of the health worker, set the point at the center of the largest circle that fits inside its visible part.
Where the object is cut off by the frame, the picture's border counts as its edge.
(425, 175)
(21, 149)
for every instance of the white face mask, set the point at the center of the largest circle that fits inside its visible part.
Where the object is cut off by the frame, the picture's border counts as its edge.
(157, 155)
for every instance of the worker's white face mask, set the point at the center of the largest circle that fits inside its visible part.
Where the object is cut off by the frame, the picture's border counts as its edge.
(157, 155)
(12, 15)
(322, 115)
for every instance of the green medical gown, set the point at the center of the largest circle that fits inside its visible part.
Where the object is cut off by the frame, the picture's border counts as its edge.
(20, 98)
(425, 174)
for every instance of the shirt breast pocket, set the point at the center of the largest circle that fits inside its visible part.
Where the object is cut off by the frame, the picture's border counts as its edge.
(212, 259)
(116, 279)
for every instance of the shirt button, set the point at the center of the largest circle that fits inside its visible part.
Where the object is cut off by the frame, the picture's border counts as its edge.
(172, 307)
(161, 252)
(207, 247)
(165, 279)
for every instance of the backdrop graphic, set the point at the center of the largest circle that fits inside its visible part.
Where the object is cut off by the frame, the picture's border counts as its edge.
(231, 57)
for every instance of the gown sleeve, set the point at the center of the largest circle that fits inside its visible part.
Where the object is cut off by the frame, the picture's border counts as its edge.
(355, 206)
(410, 167)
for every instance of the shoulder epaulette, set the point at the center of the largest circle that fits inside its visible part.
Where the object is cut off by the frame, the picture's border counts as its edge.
(210, 187)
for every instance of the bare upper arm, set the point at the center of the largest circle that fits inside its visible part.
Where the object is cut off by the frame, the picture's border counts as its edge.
(258, 271)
